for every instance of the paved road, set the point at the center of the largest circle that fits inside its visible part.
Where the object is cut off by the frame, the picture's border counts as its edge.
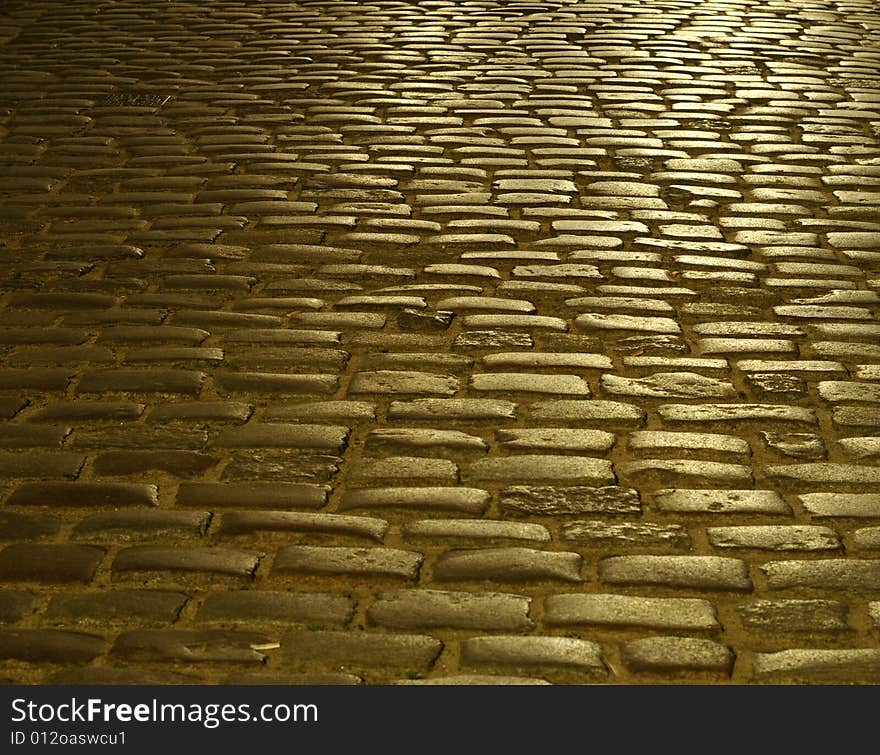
(440, 341)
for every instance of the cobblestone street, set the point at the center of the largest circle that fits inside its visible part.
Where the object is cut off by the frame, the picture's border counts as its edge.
(438, 341)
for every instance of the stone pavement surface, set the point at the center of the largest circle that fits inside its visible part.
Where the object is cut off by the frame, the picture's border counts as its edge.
(437, 341)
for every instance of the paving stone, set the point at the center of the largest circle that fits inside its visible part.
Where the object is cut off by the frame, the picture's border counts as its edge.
(141, 381)
(411, 609)
(669, 385)
(581, 411)
(17, 525)
(136, 437)
(86, 410)
(713, 472)
(275, 606)
(469, 529)
(860, 448)
(721, 501)
(838, 390)
(694, 572)
(249, 522)
(855, 505)
(736, 413)
(609, 610)
(18, 465)
(189, 646)
(80, 494)
(197, 560)
(15, 605)
(50, 646)
(775, 538)
(286, 680)
(33, 436)
(403, 382)
(179, 463)
(142, 524)
(283, 435)
(468, 680)
(716, 444)
(452, 409)
(374, 563)
(591, 321)
(507, 565)
(824, 473)
(460, 499)
(662, 654)
(846, 575)
(553, 439)
(56, 563)
(800, 616)
(545, 652)
(335, 410)
(626, 534)
(276, 383)
(251, 495)
(524, 382)
(567, 500)
(835, 666)
(423, 440)
(159, 606)
(528, 467)
(353, 650)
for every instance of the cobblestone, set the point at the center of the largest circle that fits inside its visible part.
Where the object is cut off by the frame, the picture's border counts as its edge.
(303, 304)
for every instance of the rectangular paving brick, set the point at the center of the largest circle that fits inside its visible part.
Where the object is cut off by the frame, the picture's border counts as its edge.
(630, 611)
(201, 411)
(775, 538)
(845, 574)
(474, 529)
(81, 410)
(552, 500)
(33, 436)
(828, 666)
(855, 505)
(193, 559)
(452, 409)
(160, 606)
(190, 646)
(56, 563)
(254, 606)
(694, 572)
(143, 524)
(514, 564)
(671, 654)
(15, 605)
(273, 382)
(50, 646)
(40, 465)
(251, 522)
(283, 435)
(721, 501)
(409, 609)
(545, 652)
(251, 495)
(141, 381)
(334, 649)
(461, 499)
(778, 617)
(371, 563)
(79, 494)
(36, 379)
(538, 467)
